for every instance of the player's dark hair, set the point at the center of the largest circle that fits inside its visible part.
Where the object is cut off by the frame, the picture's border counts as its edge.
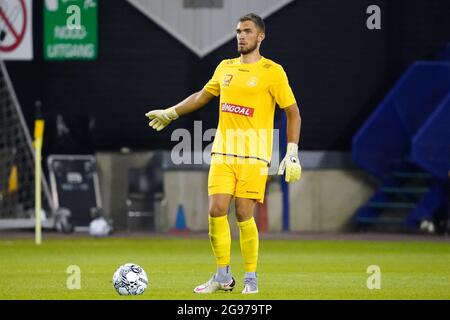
(257, 20)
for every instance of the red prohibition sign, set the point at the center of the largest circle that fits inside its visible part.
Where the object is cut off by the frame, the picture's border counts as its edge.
(17, 35)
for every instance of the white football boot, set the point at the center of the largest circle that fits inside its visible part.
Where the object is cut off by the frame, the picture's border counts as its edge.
(213, 286)
(250, 286)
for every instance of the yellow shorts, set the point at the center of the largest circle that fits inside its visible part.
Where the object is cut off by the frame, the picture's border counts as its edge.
(242, 178)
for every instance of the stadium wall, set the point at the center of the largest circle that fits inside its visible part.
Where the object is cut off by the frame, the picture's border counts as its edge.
(326, 197)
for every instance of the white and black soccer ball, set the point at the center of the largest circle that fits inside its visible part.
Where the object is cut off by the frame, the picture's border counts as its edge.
(130, 279)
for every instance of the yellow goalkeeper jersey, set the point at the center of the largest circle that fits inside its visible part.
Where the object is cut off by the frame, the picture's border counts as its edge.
(248, 95)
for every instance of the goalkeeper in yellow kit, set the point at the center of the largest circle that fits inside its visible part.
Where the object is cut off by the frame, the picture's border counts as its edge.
(249, 87)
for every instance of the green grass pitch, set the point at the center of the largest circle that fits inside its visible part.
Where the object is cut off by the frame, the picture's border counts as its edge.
(288, 269)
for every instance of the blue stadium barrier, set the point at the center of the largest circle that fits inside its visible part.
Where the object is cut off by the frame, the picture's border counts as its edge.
(405, 144)
(431, 145)
(385, 138)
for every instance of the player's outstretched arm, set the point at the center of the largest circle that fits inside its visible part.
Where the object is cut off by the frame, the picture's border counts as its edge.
(159, 119)
(291, 162)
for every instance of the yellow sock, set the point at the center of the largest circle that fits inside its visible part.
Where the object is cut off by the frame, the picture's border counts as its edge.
(249, 243)
(220, 237)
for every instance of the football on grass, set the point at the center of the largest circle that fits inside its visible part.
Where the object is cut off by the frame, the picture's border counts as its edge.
(130, 279)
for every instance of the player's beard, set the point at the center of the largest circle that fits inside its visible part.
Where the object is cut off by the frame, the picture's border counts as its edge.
(249, 49)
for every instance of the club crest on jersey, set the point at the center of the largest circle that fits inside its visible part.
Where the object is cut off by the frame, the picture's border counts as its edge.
(227, 80)
(231, 108)
(252, 82)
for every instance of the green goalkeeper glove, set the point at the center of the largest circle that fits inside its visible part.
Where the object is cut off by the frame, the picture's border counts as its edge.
(291, 163)
(161, 118)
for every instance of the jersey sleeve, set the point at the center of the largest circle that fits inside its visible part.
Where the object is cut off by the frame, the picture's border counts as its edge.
(280, 89)
(213, 85)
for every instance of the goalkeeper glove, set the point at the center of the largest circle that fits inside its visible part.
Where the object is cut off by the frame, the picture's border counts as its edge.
(161, 118)
(291, 163)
